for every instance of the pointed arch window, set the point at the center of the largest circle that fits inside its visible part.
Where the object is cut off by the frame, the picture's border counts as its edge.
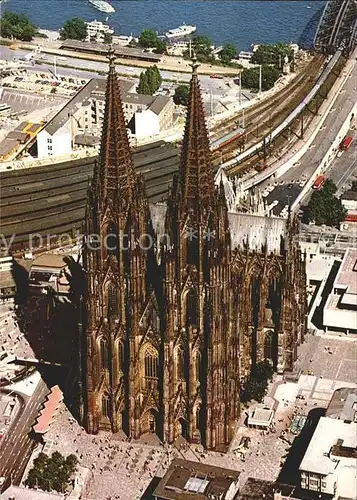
(151, 363)
(180, 364)
(104, 353)
(268, 345)
(112, 240)
(106, 410)
(197, 418)
(191, 309)
(120, 356)
(113, 308)
(192, 247)
(198, 366)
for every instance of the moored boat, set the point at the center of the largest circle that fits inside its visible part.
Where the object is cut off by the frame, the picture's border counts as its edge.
(181, 31)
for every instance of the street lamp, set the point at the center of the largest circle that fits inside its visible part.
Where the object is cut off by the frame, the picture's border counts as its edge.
(240, 88)
(260, 78)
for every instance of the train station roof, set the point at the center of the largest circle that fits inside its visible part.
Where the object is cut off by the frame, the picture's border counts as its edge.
(195, 480)
(102, 49)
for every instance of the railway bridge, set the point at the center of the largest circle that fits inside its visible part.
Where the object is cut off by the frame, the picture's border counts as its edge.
(337, 27)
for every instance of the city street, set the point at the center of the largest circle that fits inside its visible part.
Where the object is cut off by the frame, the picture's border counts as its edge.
(343, 170)
(17, 446)
(288, 189)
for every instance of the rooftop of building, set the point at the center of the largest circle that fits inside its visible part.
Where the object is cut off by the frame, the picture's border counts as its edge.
(7, 146)
(20, 493)
(328, 433)
(17, 135)
(186, 479)
(347, 275)
(47, 413)
(153, 103)
(102, 48)
(95, 84)
(86, 140)
(258, 232)
(255, 489)
(7, 280)
(255, 230)
(96, 88)
(50, 260)
(261, 417)
(343, 404)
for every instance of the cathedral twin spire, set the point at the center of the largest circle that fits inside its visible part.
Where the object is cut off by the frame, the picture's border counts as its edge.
(116, 171)
(197, 177)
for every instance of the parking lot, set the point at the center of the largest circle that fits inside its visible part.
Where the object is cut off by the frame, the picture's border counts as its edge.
(280, 194)
(25, 102)
(44, 83)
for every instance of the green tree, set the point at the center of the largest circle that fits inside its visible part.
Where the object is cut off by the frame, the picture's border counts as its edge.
(108, 38)
(272, 54)
(250, 77)
(263, 371)
(254, 389)
(202, 45)
(354, 186)
(148, 39)
(143, 87)
(51, 473)
(181, 95)
(156, 77)
(160, 47)
(17, 26)
(149, 81)
(152, 80)
(325, 208)
(228, 52)
(74, 29)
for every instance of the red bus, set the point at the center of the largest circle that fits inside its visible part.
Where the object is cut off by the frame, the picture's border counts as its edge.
(346, 143)
(351, 218)
(319, 182)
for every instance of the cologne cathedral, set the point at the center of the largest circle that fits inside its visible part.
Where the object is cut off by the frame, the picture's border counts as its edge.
(184, 297)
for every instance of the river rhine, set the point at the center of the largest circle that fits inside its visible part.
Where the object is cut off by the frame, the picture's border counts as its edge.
(239, 21)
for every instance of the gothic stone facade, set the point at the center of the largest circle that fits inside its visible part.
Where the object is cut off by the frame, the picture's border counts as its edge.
(183, 297)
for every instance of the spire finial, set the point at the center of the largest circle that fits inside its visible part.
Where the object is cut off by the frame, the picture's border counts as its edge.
(111, 57)
(194, 64)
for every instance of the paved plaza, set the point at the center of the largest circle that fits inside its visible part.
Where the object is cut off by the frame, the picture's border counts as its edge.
(119, 469)
(332, 357)
(12, 340)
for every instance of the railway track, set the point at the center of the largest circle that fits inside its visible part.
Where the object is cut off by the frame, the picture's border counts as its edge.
(51, 200)
(260, 119)
(280, 143)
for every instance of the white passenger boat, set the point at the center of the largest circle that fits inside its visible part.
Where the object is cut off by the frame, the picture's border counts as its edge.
(102, 5)
(183, 30)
